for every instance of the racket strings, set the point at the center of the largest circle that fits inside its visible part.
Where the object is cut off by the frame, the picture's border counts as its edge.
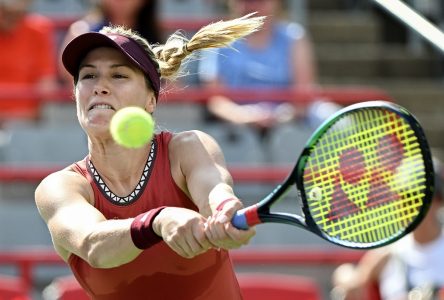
(369, 177)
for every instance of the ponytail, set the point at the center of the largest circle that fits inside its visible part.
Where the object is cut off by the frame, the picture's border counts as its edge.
(220, 34)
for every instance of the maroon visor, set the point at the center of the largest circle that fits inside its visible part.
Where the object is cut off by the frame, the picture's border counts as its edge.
(78, 48)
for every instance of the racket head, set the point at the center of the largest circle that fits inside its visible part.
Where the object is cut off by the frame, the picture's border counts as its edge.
(365, 177)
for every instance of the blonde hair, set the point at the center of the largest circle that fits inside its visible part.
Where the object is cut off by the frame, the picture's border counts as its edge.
(170, 56)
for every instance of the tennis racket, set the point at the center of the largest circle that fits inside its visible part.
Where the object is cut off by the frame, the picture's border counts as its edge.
(364, 179)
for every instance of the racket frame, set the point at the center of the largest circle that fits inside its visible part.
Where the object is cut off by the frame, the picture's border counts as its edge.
(260, 212)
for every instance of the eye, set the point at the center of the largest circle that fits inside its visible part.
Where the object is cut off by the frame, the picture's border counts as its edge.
(119, 75)
(88, 76)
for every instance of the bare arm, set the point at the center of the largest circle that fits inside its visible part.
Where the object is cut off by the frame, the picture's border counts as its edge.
(372, 264)
(203, 171)
(207, 180)
(64, 202)
(352, 282)
(304, 66)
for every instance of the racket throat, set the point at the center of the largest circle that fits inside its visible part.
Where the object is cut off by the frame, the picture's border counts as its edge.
(282, 218)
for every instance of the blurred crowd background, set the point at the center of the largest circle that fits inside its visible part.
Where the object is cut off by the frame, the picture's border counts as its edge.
(261, 102)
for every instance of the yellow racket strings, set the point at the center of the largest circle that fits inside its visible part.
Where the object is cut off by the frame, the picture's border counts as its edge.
(365, 179)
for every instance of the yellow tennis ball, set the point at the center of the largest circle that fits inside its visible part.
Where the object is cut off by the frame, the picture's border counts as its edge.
(132, 127)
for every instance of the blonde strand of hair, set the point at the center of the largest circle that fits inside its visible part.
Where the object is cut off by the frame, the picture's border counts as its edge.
(214, 35)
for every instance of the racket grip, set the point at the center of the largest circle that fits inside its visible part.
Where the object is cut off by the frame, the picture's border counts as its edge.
(240, 220)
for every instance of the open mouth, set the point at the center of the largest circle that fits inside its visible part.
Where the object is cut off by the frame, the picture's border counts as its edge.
(101, 106)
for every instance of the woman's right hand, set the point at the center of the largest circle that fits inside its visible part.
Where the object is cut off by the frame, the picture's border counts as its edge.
(183, 230)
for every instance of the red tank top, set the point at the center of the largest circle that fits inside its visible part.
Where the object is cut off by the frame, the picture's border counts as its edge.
(158, 272)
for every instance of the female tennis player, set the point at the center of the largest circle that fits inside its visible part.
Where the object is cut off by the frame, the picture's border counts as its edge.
(152, 222)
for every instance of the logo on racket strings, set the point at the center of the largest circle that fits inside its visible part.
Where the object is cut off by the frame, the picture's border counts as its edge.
(315, 194)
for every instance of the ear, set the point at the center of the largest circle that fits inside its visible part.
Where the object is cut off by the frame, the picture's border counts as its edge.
(151, 103)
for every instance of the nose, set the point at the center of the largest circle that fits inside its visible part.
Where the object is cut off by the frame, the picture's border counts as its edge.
(101, 88)
(100, 92)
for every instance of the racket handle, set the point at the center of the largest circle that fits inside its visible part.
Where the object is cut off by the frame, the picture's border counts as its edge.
(240, 220)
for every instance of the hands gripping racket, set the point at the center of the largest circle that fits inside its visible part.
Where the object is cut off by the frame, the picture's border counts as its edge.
(365, 179)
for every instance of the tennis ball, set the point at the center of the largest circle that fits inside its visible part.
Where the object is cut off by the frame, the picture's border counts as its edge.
(132, 127)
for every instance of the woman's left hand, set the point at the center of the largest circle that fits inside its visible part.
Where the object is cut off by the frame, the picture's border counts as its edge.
(221, 233)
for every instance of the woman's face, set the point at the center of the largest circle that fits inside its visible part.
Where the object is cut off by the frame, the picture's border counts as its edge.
(107, 82)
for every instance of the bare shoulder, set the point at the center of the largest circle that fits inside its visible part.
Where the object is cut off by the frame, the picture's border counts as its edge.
(58, 188)
(193, 139)
(77, 28)
(193, 150)
(61, 178)
(84, 24)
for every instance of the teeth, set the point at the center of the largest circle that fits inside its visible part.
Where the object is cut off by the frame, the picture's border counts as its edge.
(102, 106)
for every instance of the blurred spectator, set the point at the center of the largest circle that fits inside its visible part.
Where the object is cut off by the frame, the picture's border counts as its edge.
(279, 55)
(27, 52)
(139, 15)
(412, 268)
